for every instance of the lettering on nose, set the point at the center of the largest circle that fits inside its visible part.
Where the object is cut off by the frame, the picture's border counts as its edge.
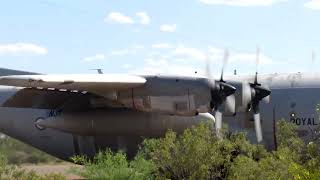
(302, 121)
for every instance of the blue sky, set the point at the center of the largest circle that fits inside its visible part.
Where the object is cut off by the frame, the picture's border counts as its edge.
(166, 37)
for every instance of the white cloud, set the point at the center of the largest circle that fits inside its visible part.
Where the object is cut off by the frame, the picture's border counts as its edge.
(22, 48)
(120, 52)
(127, 51)
(144, 18)
(127, 66)
(168, 28)
(138, 46)
(189, 53)
(184, 54)
(155, 66)
(117, 17)
(152, 66)
(172, 70)
(216, 54)
(249, 58)
(161, 46)
(157, 62)
(244, 3)
(313, 4)
(154, 53)
(215, 50)
(97, 57)
(185, 61)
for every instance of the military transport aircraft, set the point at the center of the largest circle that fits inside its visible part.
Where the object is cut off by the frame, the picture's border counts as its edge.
(67, 115)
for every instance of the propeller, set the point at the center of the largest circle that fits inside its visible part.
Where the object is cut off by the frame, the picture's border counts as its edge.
(253, 93)
(230, 102)
(220, 93)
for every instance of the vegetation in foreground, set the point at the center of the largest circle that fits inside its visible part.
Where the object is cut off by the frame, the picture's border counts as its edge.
(196, 154)
(14, 152)
(17, 152)
(13, 172)
(199, 154)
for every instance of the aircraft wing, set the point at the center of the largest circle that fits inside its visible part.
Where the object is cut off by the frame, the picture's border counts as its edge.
(43, 99)
(98, 84)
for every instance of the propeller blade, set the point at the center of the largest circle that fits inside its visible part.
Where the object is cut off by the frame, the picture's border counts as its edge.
(219, 94)
(266, 99)
(257, 125)
(252, 94)
(230, 104)
(257, 57)
(99, 70)
(224, 63)
(246, 94)
(218, 122)
(257, 64)
(208, 73)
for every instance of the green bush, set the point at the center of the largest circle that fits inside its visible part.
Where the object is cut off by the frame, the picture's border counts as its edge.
(109, 165)
(199, 154)
(292, 160)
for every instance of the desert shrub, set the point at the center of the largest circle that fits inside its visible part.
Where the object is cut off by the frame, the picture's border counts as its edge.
(109, 165)
(199, 154)
(13, 172)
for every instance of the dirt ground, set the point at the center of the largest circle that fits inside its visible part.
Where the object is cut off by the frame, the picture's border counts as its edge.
(56, 168)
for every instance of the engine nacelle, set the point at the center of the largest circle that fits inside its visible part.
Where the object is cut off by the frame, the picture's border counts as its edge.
(185, 96)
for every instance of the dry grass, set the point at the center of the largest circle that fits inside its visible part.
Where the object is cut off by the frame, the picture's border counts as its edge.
(43, 169)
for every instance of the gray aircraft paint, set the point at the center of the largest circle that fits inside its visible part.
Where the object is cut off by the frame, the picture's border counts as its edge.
(19, 123)
(118, 122)
(297, 94)
(291, 93)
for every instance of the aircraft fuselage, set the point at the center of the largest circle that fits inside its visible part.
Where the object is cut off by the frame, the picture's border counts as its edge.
(148, 111)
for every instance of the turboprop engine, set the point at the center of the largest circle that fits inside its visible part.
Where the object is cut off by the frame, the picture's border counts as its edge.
(119, 122)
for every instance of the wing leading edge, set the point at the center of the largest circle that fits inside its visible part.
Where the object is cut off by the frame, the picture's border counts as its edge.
(97, 84)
